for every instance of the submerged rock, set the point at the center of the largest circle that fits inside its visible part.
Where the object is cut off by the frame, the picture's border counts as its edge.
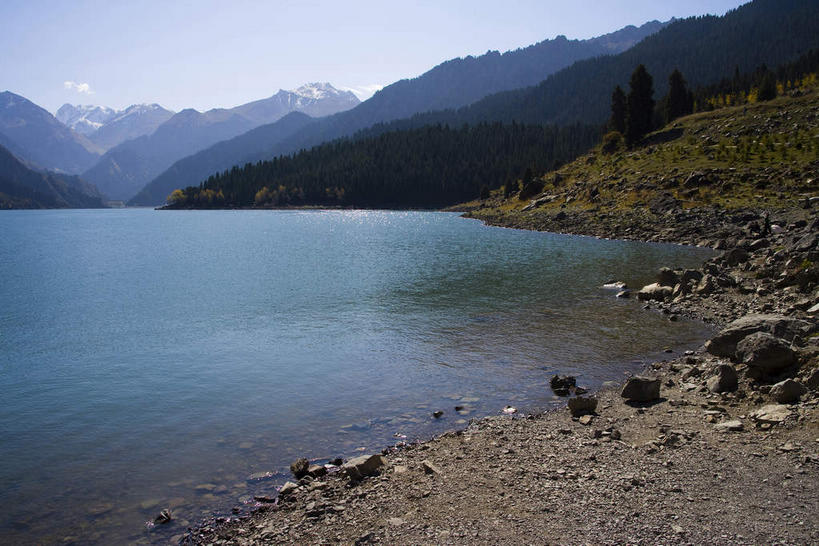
(654, 292)
(562, 384)
(164, 516)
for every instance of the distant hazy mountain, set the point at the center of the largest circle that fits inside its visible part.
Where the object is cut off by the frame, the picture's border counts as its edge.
(221, 156)
(85, 119)
(128, 167)
(39, 138)
(22, 187)
(449, 85)
(107, 127)
(314, 99)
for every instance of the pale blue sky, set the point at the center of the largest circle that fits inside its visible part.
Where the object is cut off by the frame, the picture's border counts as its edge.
(206, 54)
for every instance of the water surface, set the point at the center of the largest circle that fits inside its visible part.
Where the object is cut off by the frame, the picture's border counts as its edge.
(152, 359)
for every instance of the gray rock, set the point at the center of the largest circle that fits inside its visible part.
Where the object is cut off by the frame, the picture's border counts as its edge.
(299, 467)
(365, 465)
(562, 384)
(690, 275)
(724, 344)
(812, 382)
(764, 354)
(736, 256)
(164, 516)
(581, 406)
(813, 310)
(316, 470)
(707, 285)
(654, 292)
(725, 379)
(624, 294)
(430, 468)
(667, 277)
(734, 426)
(806, 243)
(288, 488)
(641, 389)
(788, 391)
(772, 413)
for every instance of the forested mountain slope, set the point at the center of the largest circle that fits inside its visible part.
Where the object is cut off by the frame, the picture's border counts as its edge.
(22, 187)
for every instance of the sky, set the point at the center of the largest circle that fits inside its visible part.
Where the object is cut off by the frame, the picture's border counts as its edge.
(207, 54)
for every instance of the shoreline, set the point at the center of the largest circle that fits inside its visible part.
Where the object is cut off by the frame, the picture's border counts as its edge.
(410, 496)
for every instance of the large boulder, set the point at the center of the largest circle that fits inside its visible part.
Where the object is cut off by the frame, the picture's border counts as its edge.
(365, 465)
(736, 256)
(765, 355)
(655, 292)
(788, 391)
(641, 389)
(667, 277)
(725, 379)
(725, 343)
(582, 406)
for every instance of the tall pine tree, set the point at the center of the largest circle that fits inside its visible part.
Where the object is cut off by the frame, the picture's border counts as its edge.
(640, 105)
(618, 111)
(679, 101)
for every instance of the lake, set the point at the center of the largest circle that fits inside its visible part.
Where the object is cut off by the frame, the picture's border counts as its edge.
(155, 358)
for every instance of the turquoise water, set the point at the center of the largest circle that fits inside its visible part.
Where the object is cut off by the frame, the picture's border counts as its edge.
(152, 359)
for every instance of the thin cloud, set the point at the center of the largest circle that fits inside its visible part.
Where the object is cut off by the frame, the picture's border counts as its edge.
(83, 88)
(363, 92)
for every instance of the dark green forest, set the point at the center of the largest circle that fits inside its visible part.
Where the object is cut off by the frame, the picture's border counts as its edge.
(427, 167)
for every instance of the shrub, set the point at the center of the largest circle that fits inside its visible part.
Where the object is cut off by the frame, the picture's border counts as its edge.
(612, 142)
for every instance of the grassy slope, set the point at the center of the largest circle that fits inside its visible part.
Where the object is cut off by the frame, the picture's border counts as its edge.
(762, 155)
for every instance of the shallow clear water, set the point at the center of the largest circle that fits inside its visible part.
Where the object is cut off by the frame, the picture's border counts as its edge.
(152, 359)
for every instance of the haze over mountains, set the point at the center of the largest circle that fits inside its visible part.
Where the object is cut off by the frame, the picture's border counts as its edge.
(36, 136)
(126, 168)
(22, 187)
(107, 127)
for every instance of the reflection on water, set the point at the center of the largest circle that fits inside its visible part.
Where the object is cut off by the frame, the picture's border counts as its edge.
(183, 359)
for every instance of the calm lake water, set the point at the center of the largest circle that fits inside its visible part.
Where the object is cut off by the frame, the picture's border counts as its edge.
(152, 359)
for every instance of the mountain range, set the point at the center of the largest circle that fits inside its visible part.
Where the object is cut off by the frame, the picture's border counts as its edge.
(106, 127)
(707, 50)
(34, 135)
(703, 48)
(451, 84)
(124, 169)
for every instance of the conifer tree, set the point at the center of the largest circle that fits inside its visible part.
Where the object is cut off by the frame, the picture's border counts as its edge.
(640, 105)
(618, 111)
(767, 89)
(679, 101)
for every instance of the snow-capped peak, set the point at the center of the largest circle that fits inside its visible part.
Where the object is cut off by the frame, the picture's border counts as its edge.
(317, 90)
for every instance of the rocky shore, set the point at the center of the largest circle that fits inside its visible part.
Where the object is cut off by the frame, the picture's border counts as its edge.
(720, 445)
